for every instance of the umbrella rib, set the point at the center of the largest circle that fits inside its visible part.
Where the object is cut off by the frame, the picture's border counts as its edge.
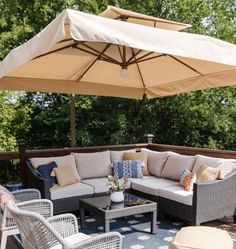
(103, 55)
(185, 64)
(139, 70)
(141, 57)
(56, 50)
(133, 56)
(121, 57)
(94, 61)
(147, 59)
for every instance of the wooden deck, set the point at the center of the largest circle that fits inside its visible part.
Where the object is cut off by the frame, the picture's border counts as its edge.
(227, 225)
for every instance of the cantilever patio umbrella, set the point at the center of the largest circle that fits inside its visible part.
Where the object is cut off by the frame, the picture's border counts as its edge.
(86, 54)
(134, 17)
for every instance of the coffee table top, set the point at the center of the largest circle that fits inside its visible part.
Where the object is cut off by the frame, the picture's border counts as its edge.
(105, 203)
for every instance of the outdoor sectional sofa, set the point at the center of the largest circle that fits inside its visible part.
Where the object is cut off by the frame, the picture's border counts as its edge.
(207, 201)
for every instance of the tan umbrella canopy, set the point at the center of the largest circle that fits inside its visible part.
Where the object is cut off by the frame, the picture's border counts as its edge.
(86, 54)
(134, 17)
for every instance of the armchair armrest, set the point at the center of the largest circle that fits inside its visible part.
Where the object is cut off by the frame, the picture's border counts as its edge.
(34, 180)
(214, 200)
(26, 194)
(65, 224)
(106, 240)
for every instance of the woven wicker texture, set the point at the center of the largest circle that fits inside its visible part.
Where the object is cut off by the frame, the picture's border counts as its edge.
(40, 233)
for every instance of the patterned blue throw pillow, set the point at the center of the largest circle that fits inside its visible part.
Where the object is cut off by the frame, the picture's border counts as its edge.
(129, 168)
(45, 170)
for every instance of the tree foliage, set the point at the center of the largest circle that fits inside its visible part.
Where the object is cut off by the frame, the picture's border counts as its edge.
(202, 118)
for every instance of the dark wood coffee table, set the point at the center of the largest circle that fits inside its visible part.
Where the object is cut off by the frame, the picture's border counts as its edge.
(102, 207)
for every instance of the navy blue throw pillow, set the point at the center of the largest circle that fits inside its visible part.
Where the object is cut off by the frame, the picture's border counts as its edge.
(46, 169)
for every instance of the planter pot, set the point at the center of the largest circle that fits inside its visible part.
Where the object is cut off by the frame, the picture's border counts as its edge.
(117, 196)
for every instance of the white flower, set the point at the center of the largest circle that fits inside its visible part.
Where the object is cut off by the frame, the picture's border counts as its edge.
(144, 237)
(126, 229)
(136, 246)
(169, 239)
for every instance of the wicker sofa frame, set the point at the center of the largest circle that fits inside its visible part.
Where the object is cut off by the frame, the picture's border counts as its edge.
(211, 201)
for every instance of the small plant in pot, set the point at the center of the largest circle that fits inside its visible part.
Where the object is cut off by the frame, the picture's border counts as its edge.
(116, 187)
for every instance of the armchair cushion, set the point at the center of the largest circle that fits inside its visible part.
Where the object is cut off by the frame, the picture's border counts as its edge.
(73, 239)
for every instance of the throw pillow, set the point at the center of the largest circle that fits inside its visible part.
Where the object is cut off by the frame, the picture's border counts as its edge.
(187, 180)
(5, 196)
(65, 175)
(207, 174)
(46, 170)
(130, 169)
(138, 156)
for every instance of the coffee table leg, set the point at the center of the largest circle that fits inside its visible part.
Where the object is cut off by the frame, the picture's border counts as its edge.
(82, 217)
(153, 221)
(107, 226)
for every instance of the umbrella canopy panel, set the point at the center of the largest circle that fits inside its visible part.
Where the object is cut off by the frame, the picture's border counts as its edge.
(86, 54)
(134, 17)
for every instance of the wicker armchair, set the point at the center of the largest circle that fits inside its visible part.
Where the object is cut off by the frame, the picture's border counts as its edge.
(28, 199)
(57, 232)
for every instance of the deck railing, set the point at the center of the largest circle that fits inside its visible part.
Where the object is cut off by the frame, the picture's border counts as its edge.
(12, 164)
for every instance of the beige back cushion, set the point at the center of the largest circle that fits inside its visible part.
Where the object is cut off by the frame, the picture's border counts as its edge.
(65, 176)
(225, 165)
(175, 165)
(61, 161)
(156, 161)
(91, 165)
(118, 155)
(138, 156)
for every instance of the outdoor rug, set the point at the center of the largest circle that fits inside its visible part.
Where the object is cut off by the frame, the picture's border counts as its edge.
(135, 231)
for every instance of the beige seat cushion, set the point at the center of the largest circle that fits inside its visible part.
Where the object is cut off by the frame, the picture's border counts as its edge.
(201, 238)
(177, 193)
(73, 239)
(156, 161)
(118, 155)
(225, 165)
(151, 184)
(92, 165)
(98, 184)
(65, 175)
(175, 165)
(138, 156)
(61, 161)
(76, 189)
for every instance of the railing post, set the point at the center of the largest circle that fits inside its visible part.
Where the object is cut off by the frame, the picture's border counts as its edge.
(22, 156)
(149, 138)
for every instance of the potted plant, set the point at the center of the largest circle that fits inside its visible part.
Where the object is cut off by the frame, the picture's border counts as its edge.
(117, 187)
